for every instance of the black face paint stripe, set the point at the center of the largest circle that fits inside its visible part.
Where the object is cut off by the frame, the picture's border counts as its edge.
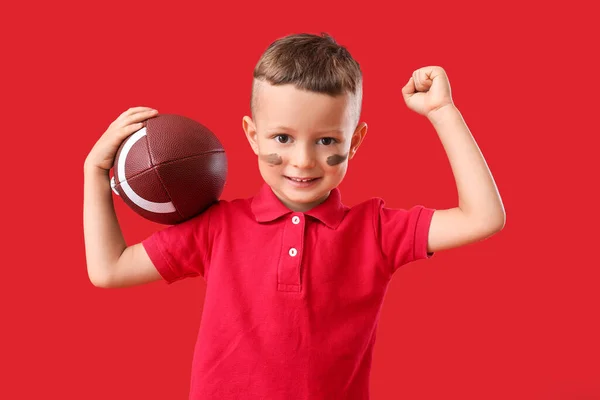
(336, 159)
(274, 158)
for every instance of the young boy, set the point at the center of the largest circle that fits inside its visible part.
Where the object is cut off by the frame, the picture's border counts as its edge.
(295, 279)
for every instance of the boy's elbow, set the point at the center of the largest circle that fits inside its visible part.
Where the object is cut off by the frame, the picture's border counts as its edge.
(490, 225)
(99, 280)
(100, 283)
(496, 225)
(501, 222)
(494, 222)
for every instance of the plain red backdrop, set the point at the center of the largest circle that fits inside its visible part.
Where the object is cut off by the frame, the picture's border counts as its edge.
(512, 317)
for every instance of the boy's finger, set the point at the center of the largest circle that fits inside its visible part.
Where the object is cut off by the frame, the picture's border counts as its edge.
(129, 129)
(134, 110)
(125, 131)
(140, 116)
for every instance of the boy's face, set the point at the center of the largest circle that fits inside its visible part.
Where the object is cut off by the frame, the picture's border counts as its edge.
(300, 134)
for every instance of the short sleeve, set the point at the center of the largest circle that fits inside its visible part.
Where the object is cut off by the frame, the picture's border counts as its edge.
(402, 234)
(181, 251)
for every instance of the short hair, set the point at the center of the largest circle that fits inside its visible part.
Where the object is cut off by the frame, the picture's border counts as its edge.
(310, 62)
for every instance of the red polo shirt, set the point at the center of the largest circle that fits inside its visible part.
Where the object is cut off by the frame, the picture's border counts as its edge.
(292, 299)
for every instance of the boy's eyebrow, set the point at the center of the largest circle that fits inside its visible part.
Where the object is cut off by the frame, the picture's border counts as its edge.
(285, 128)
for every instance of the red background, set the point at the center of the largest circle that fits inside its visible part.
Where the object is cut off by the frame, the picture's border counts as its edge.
(512, 317)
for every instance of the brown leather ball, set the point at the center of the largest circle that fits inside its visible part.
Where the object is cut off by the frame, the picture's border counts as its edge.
(170, 170)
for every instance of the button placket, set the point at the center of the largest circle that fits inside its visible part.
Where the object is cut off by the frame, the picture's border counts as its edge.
(288, 276)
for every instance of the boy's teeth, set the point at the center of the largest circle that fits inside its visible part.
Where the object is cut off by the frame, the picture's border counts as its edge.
(301, 180)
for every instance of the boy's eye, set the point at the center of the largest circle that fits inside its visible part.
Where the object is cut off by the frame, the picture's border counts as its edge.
(282, 138)
(327, 141)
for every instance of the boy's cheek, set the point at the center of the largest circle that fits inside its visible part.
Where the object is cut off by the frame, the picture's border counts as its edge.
(336, 159)
(272, 159)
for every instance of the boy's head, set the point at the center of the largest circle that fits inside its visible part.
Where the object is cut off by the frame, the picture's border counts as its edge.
(305, 105)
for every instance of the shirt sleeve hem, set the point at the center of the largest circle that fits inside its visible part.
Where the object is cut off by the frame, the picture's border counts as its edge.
(422, 234)
(159, 260)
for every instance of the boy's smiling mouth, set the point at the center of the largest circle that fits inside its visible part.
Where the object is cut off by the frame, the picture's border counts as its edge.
(301, 182)
(298, 179)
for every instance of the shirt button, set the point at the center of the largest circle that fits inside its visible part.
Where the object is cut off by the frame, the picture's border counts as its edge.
(296, 220)
(293, 252)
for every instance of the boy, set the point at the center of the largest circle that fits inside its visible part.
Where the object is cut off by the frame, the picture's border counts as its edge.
(295, 279)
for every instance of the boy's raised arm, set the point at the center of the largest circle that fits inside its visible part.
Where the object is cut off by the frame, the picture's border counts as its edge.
(110, 263)
(480, 212)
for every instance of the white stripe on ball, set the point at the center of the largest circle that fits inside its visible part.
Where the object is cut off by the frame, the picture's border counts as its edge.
(159, 208)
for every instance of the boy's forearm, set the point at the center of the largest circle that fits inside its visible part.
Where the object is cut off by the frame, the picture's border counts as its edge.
(104, 242)
(478, 195)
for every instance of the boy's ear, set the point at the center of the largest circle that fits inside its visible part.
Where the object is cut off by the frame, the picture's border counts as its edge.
(250, 129)
(357, 138)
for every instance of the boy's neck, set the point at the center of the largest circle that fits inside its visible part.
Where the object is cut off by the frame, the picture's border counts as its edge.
(301, 207)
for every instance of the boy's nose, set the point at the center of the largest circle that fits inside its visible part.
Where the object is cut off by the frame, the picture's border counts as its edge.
(303, 158)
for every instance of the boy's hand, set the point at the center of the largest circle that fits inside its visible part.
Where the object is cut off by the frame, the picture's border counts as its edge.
(427, 90)
(103, 153)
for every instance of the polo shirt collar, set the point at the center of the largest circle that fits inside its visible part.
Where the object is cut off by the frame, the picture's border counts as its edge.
(267, 207)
